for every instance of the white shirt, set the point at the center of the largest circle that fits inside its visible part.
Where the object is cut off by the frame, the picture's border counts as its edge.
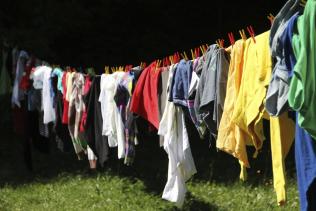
(113, 126)
(47, 98)
(176, 143)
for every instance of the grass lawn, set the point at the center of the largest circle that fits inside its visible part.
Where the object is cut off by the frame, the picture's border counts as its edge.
(60, 182)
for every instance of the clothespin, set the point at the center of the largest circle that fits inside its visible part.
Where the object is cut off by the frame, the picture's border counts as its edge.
(107, 70)
(220, 43)
(251, 32)
(197, 52)
(192, 54)
(271, 18)
(231, 38)
(157, 65)
(303, 3)
(242, 34)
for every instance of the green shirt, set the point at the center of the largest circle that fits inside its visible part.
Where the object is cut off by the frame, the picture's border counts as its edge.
(302, 93)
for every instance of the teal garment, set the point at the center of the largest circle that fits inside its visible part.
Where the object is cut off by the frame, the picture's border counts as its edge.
(5, 80)
(59, 73)
(302, 92)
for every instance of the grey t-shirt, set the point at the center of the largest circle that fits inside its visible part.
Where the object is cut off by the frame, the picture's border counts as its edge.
(211, 92)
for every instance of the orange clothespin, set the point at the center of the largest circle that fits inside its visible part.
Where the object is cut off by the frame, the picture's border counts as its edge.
(251, 32)
(220, 43)
(271, 18)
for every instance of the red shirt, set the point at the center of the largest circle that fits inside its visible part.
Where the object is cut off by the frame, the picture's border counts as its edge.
(145, 97)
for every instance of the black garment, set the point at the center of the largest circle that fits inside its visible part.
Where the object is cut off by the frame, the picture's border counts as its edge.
(93, 128)
(63, 138)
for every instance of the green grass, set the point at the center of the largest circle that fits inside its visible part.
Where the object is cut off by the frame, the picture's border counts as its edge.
(60, 182)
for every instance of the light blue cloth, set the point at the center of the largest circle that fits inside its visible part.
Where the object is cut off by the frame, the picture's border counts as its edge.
(59, 73)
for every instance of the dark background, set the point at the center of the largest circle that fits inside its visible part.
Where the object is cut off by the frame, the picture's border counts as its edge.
(117, 32)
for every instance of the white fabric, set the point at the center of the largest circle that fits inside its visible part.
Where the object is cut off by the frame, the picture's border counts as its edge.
(17, 93)
(91, 155)
(194, 83)
(38, 77)
(113, 126)
(176, 143)
(47, 98)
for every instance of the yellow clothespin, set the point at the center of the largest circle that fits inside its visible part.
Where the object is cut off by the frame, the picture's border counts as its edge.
(171, 59)
(243, 34)
(202, 49)
(107, 70)
(303, 3)
(185, 55)
(192, 54)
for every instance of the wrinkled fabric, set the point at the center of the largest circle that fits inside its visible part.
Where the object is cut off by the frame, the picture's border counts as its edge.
(181, 166)
(305, 158)
(144, 101)
(97, 142)
(59, 73)
(113, 126)
(231, 138)
(76, 105)
(277, 94)
(249, 110)
(303, 83)
(210, 95)
(182, 78)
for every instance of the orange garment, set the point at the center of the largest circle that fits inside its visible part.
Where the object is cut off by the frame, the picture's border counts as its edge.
(231, 138)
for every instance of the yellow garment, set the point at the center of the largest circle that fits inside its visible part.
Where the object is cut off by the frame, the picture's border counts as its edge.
(248, 111)
(231, 138)
(282, 131)
(249, 108)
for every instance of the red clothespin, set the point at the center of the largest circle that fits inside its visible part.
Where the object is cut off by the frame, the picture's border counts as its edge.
(251, 32)
(197, 52)
(231, 38)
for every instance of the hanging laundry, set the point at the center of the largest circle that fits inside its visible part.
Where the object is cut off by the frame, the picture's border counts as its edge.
(277, 94)
(63, 138)
(65, 99)
(113, 126)
(144, 101)
(305, 158)
(181, 166)
(131, 129)
(194, 83)
(210, 95)
(97, 142)
(122, 100)
(75, 113)
(162, 97)
(231, 138)
(305, 146)
(17, 93)
(249, 110)
(302, 87)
